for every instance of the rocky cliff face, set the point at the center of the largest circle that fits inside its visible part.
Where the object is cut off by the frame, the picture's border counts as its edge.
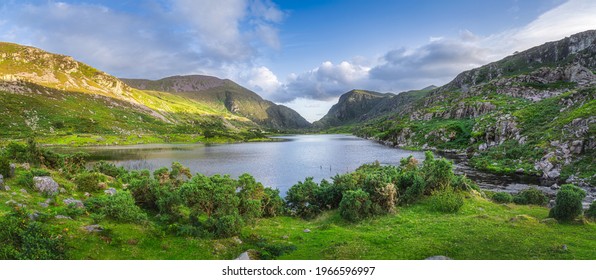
(539, 102)
(352, 106)
(229, 96)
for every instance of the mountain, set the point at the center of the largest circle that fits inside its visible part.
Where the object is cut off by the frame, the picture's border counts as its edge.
(361, 105)
(226, 95)
(61, 100)
(533, 112)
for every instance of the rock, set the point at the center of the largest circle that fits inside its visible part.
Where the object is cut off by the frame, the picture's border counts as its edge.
(77, 203)
(285, 237)
(236, 240)
(549, 221)
(519, 171)
(551, 204)
(33, 216)
(87, 194)
(62, 217)
(523, 217)
(93, 228)
(11, 170)
(555, 173)
(46, 185)
(43, 205)
(102, 185)
(26, 166)
(438, 258)
(243, 257)
(564, 247)
(1, 181)
(24, 191)
(110, 191)
(5, 188)
(307, 230)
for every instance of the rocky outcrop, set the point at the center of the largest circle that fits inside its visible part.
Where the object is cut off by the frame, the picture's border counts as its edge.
(46, 185)
(74, 202)
(351, 107)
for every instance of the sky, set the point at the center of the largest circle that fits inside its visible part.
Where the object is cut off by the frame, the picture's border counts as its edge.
(304, 53)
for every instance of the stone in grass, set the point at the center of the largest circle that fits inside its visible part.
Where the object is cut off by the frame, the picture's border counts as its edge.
(438, 258)
(306, 230)
(523, 218)
(77, 203)
(24, 191)
(248, 255)
(45, 184)
(1, 181)
(93, 228)
(110, 191)
(62, 217)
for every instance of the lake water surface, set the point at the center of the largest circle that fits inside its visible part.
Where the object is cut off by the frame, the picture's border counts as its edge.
(275, 164)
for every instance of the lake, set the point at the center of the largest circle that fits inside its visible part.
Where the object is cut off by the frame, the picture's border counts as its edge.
(275, 164)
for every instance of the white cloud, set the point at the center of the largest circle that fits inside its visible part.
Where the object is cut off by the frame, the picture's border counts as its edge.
(312, 110)
(165, 38)
(263, 81)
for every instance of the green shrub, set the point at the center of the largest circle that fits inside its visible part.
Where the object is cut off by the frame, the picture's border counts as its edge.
(355, 205)
(411, 187)
(502, 197)
(24, 239)
(591, 212)
(438, 173)
(251, 194)
(568, 203)
(463, 183)
(330, 194)
(88, 182)
(24, 179)
(225, 225)
(302, 199)
(120, 207)
(531, 196)
(446, 200)
(382, 192)
(109, 169)
(72, 211)
(4, 166)
(273, 204)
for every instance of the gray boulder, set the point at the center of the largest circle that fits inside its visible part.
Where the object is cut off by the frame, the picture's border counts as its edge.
(440, 258)
(45, 184)
(11, 170)
(110, 191)
(77, 203)
(93, 228)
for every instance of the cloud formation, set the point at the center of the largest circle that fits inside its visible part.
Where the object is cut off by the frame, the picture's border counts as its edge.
(160, 39)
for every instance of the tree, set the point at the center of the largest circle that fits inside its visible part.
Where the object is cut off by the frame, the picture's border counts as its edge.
(568, 203)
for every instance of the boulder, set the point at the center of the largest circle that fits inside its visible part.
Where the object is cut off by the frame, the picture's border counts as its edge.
(243, 257)
(1, 181)
(77, 203)
(93, 228)
(110, 191)
(11, 170)
(24, 191)
(62, 217)
(46, 185)
(306, 230)
(438, 258)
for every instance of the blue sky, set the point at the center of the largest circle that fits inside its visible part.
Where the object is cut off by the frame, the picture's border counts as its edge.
(303, 54)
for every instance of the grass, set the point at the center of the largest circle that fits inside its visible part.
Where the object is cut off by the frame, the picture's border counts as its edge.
(481, 229)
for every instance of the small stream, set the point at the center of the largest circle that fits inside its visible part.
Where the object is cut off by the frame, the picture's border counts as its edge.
(510, 183)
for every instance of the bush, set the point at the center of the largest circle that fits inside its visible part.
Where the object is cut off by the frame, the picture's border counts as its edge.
(411, 187)
(591, 212)
(225, 225)
(4, 166)
(463, 183)
(438, 173)
(355, 205)
(330, 194)
(502, 197)
(568, 203)
(382, 192)
(302, 199)
(88, 182)
(251, 194)
(446, 201)
(120, 207)
(273, 204)
(24, 179)
(24, 239)
(531, 196)
(109, 169)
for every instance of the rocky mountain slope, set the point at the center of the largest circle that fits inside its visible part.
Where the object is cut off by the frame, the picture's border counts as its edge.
(357, 106)
(533, 112)
(56, 97)
(226, 95)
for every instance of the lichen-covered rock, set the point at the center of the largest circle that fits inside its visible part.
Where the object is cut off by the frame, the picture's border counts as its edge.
(71, 201)
(110, 191)
(46, 185)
